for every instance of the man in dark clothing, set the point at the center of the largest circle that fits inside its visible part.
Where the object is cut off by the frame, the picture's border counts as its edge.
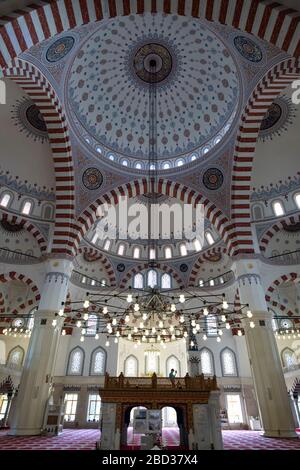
(172, 376)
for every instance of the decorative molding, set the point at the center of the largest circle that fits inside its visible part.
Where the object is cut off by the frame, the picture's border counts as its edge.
(250, 279)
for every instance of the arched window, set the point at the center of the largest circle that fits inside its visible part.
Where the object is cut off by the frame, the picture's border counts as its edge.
(297, 199)
(257, 212)
(121, 249)
(209, 238)
(166, 166)
(131, 366)
(179, 162)
(95, 238)
(168, 252)
(201, 283)
(26, 208)
(211, 325)
(5, 199)
(211, 282)
(152, 278)
(197, 245)
(289, 358)
(76, 361)
(152, 253)
(103, 282)
(125, 162)
(183, 250)
(92, 324)
(106, 245)
(166, 281)
(98, 362)
(278, 208)
(15, 357)
(48, 211)
(136, 252)
(207, 362)
(138, 281)
(228, 362)
(173, 363)
(138, 166)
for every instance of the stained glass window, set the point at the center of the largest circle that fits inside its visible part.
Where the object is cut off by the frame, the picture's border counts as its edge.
(98, 362)
(75, 362)
(131, 366)
(206, 359)
(166, 281)
(228, 362)
(152, 278)
(138, 281)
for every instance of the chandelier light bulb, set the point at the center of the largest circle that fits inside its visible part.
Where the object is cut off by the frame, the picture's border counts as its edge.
(239, 333)
(225, 304)
(114, 322)
(61, 312)
(129, 298)
(86, 316)
(116, 340)
(96, 336)
(147, 332)
(127, 318)
(105, 310)
(158, 337)
(171, 328)
(193, 323)
(197, 327)
(218, 339)
(227, 326)
(205, 311)
(153, 329)
(252, 324)
(249, 314)
(160, 324)
(129, 336)
(173, 308)
(181, 319)
(173, 337)
(204, 337)
(144, 316)
(86, 303)
(107, 343)
(192, 343)
(135, 329)
(220, 332)
(141, 324)
(63, 332)
(136, 307)
(143, 338)
(185, 334)
(223, 318)
(118, 334)
(181, 298)
(164, 332)
(194, 331)
(82, 339)
(83, 331)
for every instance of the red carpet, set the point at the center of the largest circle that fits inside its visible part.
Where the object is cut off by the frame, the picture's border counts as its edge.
(85, 439)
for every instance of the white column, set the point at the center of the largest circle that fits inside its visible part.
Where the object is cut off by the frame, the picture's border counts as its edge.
(37, 375)
(272, 395)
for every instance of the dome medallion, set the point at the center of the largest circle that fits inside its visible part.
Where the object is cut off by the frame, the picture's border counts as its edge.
(197, 89)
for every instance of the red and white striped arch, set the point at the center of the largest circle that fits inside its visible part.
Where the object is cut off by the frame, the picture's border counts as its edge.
(14, 276)
(2, 303)
(274, 83)
(275, 228)
(284, 278)
(169, 188)
(267, 20)
(36, 86)
(27, 225)
(204, 257)
(283, 309)
(97, 256)
(136, 269)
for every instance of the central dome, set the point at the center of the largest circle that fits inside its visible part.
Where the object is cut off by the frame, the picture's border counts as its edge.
(108, 89)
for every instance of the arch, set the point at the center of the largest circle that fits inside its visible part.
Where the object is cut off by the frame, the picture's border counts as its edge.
(136, 269)
(22, 29)
(169, 188)
(136, 362)
(27, 225)
(138, 281)
(81, 359)
(169, 365)
(285, 353)
(6, 198)
(97, 255)
(19, 352)
(257, 211)
(267, 236)
(48, 211)
(37, 87)
(204, 257)
(211, 359)
(284, 278)
(102, 364)
(278, 305)
(166, 281)
(270, 86)
(13, 276)
(229, 351)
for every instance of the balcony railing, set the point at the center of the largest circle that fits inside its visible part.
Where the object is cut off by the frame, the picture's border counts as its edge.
(292, 257)
(16, 257)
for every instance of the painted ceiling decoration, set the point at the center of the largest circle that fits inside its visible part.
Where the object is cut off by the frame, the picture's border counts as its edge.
(197, 83)
(60, 48)
(280, 115)
(213, 178)
(248, 49)
(92, 178)
(28, 118)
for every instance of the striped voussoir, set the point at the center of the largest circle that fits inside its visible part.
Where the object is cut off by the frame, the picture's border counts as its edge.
(169, 188)
(204, 257)
(273, 303)
(105, 262)
(36, 86)
(32, 24)
(27, 225)
(2, 303)
(274, 83)
(235, 322)
(14, 276)
(275, 228)
(284, 278)
(136, 269)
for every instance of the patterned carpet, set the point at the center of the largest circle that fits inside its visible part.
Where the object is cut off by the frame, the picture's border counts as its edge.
(85, 439)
